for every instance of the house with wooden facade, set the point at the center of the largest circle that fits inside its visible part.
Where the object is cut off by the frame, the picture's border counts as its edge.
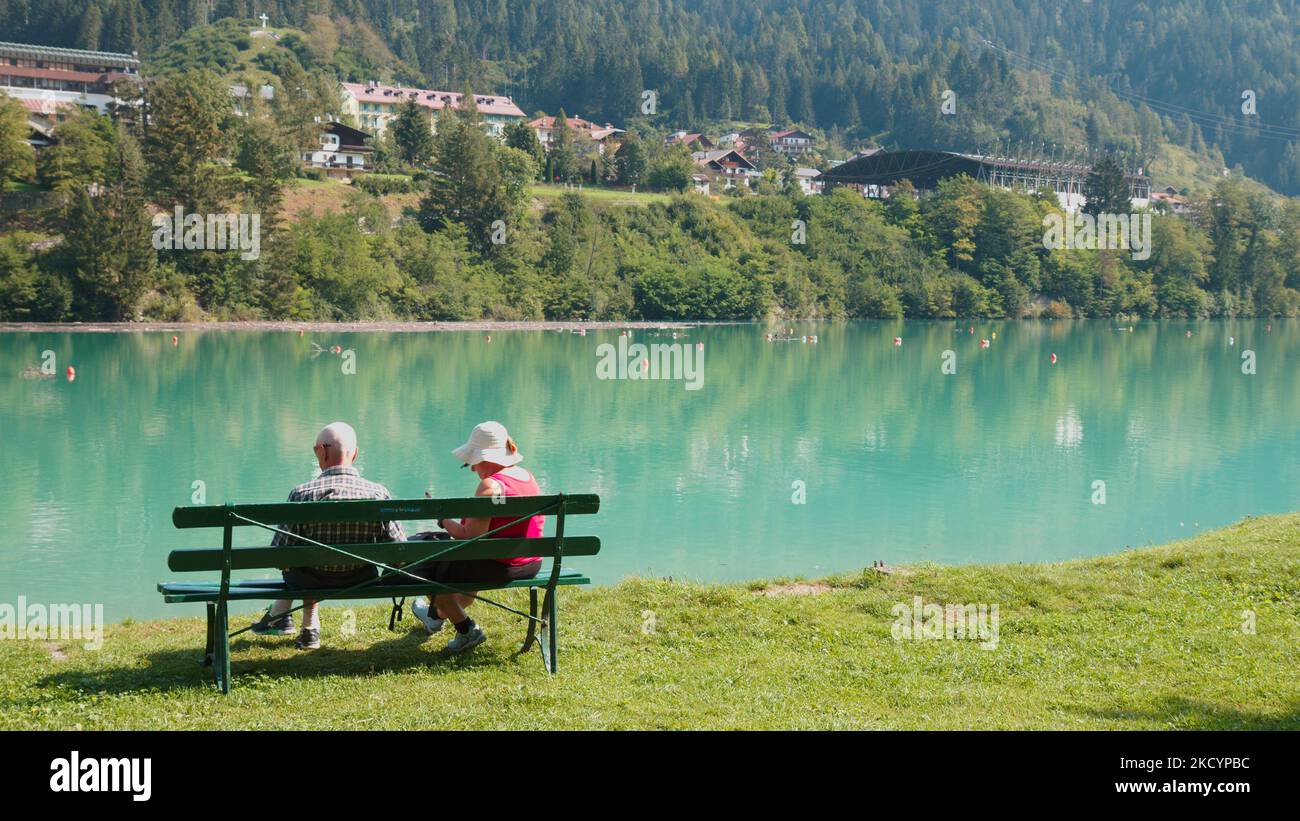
(725, 168)
(341, 152)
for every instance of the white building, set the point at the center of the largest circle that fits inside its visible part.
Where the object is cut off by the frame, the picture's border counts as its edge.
(342, 151)
(375, 106)
(808, 179)
(51, 78)
(585, 132)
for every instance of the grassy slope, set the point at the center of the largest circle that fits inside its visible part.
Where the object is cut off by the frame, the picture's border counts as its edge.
(1144, 639)
(1182, 169)
(328, 196)
(598, 195)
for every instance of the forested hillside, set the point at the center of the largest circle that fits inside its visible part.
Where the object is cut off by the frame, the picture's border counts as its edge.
(1110, 74)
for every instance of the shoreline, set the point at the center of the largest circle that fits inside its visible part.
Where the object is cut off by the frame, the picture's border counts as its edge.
(393, 326)
(416, 326)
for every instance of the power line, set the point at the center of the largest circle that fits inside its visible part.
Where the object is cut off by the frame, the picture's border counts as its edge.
(1202, 118)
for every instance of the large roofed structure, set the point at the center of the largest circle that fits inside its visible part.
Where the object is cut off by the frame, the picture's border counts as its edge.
(67, 59)
(47, 78)
(876, 172)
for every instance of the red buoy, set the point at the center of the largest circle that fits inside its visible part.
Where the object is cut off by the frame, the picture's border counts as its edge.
(1053, 359)
(898, 341)
(175, 341)
(984, 343)
(72, 373)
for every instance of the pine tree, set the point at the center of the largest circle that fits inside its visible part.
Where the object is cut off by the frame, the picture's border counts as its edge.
(108, 237)
(474, 181)
(564, 159)
(520, 135)
(17, 158)
(1105, 189)
(412, 135)
(190, 123)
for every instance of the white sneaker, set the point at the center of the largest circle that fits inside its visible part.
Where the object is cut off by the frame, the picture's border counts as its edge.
(465, 641)
(420, 609)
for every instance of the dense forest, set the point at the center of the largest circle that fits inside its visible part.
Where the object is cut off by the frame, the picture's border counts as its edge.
(471, 241)
(1108, 74)
(454, 227)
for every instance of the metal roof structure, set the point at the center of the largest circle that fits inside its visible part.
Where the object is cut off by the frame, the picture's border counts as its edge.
(925, 168)
(69, 54)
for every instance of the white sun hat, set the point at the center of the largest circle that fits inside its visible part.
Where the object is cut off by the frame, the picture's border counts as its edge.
(487, 443)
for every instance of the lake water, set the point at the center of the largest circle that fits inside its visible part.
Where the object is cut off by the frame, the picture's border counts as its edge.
(891, 458)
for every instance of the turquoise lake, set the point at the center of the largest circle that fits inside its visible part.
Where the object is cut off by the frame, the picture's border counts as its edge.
(791, 459)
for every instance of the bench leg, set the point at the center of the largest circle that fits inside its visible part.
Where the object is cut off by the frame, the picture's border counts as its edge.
(548, 637)
(532, 623)
(212, 619)
(222, 666)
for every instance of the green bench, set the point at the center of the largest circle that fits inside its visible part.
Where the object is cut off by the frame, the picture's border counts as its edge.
(387, 556)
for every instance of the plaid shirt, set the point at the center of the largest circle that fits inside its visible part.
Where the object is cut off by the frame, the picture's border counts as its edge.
(333, 484)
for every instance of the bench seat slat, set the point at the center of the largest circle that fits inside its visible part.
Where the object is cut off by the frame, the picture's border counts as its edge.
(181, 592)
(254, 558)
(288, 513)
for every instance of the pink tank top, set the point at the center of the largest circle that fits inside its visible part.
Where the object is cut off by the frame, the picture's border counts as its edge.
(530, 529)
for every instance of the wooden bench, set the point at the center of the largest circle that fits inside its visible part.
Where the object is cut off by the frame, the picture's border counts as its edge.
(386, 556)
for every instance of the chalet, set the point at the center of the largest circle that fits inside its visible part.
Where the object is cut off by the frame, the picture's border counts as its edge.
(56, 76)
(725, 168)
(700, 183)
(1168, 199)
(341, 152)
(791, 143)
(375, 107)
(693, 142)
(586, 133)
(809, 180)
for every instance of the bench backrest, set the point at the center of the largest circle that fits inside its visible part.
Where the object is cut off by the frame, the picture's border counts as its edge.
(229, 517)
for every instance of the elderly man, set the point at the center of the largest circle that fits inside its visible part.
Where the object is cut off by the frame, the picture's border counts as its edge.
(336, 450)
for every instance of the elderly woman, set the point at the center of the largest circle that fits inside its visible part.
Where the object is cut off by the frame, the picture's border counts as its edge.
(494, 458)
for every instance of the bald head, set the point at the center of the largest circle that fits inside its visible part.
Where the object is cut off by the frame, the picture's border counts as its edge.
(336, 445)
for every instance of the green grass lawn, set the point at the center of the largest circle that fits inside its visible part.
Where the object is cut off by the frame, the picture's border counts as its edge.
(600, 195)
(1150, 638)
(19, 185)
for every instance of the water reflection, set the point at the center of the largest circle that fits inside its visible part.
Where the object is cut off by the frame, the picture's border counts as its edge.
(899, 461)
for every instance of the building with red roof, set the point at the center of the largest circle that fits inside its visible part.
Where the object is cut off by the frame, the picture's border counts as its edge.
(375, 106)
(585, 130)
(46, 78)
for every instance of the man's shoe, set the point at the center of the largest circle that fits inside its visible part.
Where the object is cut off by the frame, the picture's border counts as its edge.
(270, 625)
(421, 610)
(467, 641)
(308, 639)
